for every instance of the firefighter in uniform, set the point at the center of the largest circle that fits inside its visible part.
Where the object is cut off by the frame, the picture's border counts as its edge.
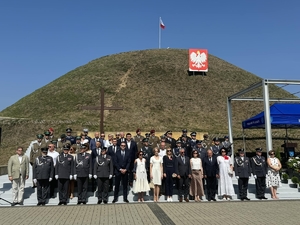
(43, 170)
(64, 170)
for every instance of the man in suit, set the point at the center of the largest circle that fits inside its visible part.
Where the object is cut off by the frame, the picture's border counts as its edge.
(132, 148)
(259, 171)
(122, 163)
(112, 150)
(95, 140)
(96, 150)
(43, 170)
(184, 174)
(121, 138)
(216, 147)
(83, 171)
(64, 170)
(242, 170)
(210, 173)
(18, 172)
(103, 172)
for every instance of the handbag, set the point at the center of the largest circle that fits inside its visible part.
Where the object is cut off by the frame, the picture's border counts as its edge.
(230, 172)
(151, 184)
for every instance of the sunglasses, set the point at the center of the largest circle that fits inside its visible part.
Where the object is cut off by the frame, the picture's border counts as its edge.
(272, 154)
(123, 145)
(140, 154)
(168, 150)
(223, 151)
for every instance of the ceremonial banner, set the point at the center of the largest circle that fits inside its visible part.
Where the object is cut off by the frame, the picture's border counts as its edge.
(198, 60)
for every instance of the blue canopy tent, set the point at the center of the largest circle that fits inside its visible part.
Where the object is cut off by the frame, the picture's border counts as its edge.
(282, 115)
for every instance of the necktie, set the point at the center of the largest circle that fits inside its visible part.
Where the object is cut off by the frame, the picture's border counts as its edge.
(210, 159)
(114, 149)
(123, 154)
(183, 160)
(65, 155)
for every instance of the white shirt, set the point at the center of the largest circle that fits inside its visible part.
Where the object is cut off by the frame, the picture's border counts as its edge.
(20, 158)
(162, 152)
(54, 155)
(128, 144)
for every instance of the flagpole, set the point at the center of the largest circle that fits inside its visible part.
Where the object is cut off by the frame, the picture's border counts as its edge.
(159, 32)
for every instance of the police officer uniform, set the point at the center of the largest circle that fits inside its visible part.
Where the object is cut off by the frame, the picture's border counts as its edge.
(82, 172)
(216, 147)
(46, 140)
(43, 171)
(62, 142)
(227, 144)
(192, 143)
(36, 149)
(201, 151)
(176, 150)
(64, 170)
(103, 171)
(147, 154)
(259, 171)
(242, 171)
(138, 139)
(69, 137)
(170, 140)
(153, 140)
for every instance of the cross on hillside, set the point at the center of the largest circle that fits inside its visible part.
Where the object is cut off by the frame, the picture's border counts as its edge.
(101, 108)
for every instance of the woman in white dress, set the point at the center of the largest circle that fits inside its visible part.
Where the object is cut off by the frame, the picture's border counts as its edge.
(225, 186)
(273, 177)
(156, 173)
(140, 176)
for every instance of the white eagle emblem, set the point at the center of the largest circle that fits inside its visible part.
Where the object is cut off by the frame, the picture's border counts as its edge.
(198, 59)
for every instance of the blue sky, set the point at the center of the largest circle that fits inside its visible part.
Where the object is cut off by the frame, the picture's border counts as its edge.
(42, 40)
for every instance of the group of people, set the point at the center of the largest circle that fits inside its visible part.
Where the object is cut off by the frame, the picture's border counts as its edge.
(140, 162)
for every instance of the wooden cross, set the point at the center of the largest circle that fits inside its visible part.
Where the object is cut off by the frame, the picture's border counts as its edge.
(101, 108)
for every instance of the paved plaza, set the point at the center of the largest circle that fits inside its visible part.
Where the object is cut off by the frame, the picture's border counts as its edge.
(253, 212)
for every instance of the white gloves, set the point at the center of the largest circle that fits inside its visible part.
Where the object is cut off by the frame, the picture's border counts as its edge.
(56, 177)
(255, 177)
(237, 177)
(90, 176)
(71, 177)
(50, 179)
(35, 181)
(95, 176)
(110, 176)
(75, 177)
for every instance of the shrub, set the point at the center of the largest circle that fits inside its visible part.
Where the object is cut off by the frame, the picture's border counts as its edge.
(285, 176)
(295, 180)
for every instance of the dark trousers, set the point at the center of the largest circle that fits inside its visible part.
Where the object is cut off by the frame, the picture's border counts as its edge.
(42, 190)
(243, 186)
(260, 183)
(124, 178)
(184, 186)
(103, 186)
(82, 186)
(111, 183)
(63, 186)
(211, 187)
(169, 182)
(53, 185)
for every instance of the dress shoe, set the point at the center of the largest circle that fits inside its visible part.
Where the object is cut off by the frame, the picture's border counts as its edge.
(78, 203)
(43, 204)
(99, 202)
(60, 203)
(84, 203)
(180, 199)
(105, 202)
(39, 204)
(248, 199)
(263, 197)
(13, 204)
(64, 203)
(186, 200)
(114, 201)
(242, 199)
(126, 200)
(214, 199)
(20, 203)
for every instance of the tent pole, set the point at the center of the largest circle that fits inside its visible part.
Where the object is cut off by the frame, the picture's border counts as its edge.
(244, 141)
(229, 114)
(267, 116)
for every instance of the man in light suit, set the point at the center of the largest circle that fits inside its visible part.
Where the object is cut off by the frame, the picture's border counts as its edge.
(184, 174)
(18, 172)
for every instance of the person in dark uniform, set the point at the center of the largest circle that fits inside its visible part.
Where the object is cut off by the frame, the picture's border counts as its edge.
(69, 136)
(201, 151)
(210, 173)
(184, 174)
(227, 144)
(122, 164)
(83, 171)
(259, 171)
(192, 143)
(64, 170)
(185, 143)
(242, 170)
(170, 140)
(103, 172)
(184, 133)
(138, 139)
(216, 147)
(147, 154)
(169, 169)
(43, 170)
(176, 150)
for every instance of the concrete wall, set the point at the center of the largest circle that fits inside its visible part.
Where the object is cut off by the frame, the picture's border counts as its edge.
(3, 170)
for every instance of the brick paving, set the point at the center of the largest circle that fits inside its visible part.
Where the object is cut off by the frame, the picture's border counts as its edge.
(255, 212)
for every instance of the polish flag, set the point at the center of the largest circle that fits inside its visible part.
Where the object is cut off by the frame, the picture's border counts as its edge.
(162, 26)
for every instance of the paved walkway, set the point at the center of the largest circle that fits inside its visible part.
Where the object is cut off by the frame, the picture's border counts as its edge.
(255, 212)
